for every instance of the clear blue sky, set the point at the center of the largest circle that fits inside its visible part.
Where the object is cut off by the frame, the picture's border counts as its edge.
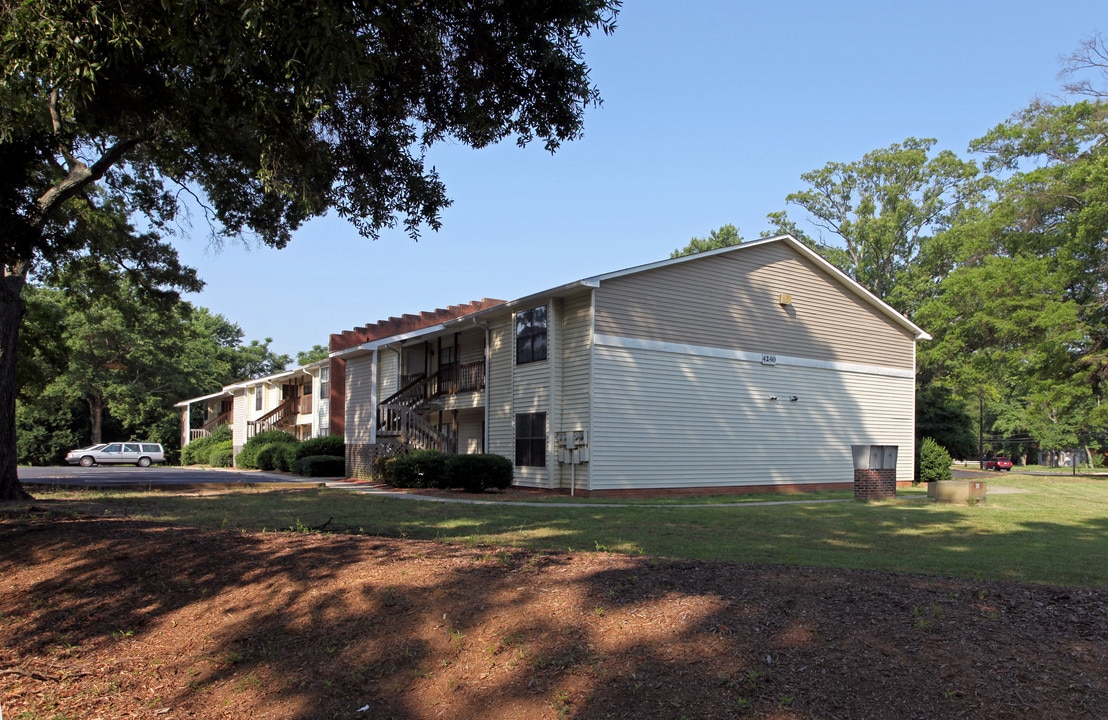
(712, 110)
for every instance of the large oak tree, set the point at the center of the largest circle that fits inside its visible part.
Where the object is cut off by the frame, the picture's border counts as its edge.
(268, 112)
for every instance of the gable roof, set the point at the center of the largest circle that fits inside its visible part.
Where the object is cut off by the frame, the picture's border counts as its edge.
(869, 298)
(494, 306)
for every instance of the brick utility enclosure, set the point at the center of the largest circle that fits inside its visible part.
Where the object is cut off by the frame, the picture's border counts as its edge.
(874, 484)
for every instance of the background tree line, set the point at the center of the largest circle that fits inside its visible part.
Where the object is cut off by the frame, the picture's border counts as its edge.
(102, 360)
(1002, 258)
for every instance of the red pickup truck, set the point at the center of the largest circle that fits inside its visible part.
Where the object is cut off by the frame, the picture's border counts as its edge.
(996, 463)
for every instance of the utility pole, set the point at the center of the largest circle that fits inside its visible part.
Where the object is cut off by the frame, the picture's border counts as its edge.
(981, 425)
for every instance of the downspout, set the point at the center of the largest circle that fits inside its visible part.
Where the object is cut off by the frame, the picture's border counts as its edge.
(592, 384)
(399, 363)
(373, 362)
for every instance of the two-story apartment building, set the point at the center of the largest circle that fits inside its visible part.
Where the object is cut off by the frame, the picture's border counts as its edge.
(750, 367)
(296, 401)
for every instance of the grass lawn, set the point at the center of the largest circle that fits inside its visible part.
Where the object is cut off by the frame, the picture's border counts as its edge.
(1043, 529)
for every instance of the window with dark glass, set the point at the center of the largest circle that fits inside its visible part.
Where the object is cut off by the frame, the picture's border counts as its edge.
(531, 440)
(257, 398)
(531, 335)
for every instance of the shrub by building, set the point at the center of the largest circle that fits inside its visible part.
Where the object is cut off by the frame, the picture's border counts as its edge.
(248, 457)
(934, 462)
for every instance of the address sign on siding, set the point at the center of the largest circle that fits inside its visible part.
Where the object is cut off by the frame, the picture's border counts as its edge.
(769, 359)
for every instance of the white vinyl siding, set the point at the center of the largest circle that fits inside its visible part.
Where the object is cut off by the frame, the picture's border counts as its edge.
(388, 379)
(361, 411)
(472, 346)
(574, 339)
(498, 383)
(681, 420)
(732, 301)
(238, 421)
(470, 426)
(323, 416)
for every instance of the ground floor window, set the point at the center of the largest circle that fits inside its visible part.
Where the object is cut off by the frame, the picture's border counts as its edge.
(531, 440)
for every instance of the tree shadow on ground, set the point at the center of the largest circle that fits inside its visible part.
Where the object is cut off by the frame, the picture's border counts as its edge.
(130, 615)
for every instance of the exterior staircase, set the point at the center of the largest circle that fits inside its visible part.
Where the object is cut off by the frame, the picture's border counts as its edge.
(279, 418)
(403, 415)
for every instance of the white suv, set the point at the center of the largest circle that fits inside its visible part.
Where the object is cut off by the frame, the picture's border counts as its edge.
(139, 453)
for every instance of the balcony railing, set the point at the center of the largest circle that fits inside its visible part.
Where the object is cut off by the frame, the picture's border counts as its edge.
(206, 429)
(459, 378)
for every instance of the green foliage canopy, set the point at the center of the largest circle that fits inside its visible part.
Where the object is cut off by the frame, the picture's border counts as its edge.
(266, 113)
(726, 236)
(883, 207)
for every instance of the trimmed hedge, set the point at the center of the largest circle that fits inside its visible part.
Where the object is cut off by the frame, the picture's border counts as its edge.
(222, 454)
(271, 457)
(327, 445)
(321, 466)
(382, 466)
(418, 469)
(433, 469)
(477, 473)
(288, 456)
(248, 458)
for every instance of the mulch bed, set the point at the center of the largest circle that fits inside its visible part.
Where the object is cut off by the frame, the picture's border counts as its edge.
(113, 618)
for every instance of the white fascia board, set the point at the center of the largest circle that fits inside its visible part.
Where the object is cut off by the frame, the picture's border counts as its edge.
(524, 302)
(225, 392)
(269, 379)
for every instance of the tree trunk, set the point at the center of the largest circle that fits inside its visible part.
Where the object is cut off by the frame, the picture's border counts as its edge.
(12, 308)
(96, 415)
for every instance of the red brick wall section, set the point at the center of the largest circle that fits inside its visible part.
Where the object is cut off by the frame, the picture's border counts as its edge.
(337, 396)
(874, 484)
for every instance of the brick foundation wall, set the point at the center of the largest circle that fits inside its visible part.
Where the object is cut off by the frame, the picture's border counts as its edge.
(874, 484)
(646, 494)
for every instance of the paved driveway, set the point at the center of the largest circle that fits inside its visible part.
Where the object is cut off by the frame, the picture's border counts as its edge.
(130, 476)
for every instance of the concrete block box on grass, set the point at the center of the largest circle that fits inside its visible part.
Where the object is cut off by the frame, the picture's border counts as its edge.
(957, 491)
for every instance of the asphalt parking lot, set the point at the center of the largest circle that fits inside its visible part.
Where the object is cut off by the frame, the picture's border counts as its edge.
(120, 476)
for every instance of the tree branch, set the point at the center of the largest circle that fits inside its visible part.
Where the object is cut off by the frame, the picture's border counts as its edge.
(56, 125)
(80, 176)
